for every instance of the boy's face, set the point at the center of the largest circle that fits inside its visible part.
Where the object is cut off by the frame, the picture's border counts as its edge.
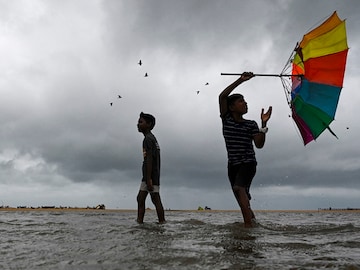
(239, 106)
(142, 125)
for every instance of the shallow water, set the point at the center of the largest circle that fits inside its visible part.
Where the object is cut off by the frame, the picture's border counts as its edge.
(189, 240)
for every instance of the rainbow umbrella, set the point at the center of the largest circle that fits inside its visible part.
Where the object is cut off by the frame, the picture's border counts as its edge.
(316, 77)
(318, 68)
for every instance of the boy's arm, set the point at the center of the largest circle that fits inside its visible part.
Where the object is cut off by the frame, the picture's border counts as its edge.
(259, 139)
(148, 172)
(227, 91)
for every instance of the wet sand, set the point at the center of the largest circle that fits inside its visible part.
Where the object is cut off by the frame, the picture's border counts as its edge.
(351, 210)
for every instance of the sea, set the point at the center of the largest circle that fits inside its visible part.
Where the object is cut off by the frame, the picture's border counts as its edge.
(105, 239)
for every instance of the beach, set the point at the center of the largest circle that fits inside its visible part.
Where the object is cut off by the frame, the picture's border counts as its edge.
(82, 209)
(210, 239)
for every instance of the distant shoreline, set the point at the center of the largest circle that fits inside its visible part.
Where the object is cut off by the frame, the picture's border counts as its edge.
(58, 209)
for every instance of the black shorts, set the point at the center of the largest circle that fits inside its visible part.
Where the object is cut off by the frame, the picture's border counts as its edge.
(241, 175)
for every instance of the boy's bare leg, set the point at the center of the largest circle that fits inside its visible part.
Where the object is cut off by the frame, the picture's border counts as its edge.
(252, 214)
(237, 199)
(141, 197)
(155, 197)
(244, 203)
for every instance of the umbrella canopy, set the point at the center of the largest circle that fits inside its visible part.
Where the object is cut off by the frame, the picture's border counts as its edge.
(317, 77)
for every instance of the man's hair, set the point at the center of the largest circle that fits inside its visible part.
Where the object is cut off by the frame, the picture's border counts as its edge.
(149, 119)
(232, 98)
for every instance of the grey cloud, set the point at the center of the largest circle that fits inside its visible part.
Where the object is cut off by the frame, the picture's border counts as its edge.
(61, 76)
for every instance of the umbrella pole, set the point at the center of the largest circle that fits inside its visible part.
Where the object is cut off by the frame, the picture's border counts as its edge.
(261, 75)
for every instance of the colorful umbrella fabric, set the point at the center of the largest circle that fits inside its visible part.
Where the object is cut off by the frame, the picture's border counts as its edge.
(317, 77)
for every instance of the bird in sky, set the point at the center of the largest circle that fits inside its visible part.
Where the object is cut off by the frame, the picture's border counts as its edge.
(207, 83)
(146, 75)
(111, 103)
(119, 96)
(140, 63)
(197, 92)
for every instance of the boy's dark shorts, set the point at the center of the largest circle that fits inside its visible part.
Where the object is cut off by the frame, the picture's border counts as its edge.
(241, 175)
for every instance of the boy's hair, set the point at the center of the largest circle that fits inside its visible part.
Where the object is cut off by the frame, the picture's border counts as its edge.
(232, 98)
(149, 119)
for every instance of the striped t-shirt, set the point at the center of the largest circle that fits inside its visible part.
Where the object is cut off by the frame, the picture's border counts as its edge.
(239, 139)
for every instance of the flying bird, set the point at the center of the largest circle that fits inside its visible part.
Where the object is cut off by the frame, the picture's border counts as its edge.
(119, 96)
(146, 75)
(140, 63)
(197, 92)
(207, 83)
(111, 103)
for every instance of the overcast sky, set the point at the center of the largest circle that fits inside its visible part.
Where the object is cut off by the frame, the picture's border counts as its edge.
(63, 62)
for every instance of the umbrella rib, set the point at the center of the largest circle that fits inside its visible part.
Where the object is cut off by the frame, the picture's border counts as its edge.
(264, 75)
(332, 132)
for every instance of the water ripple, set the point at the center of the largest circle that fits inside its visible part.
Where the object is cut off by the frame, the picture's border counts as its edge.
(189, 240)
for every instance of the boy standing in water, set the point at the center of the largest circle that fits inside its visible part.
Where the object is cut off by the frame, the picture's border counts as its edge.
(239, 135)
(150, 169)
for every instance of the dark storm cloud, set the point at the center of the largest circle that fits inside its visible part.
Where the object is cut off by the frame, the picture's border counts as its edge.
(197, 30)
(66, 62)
